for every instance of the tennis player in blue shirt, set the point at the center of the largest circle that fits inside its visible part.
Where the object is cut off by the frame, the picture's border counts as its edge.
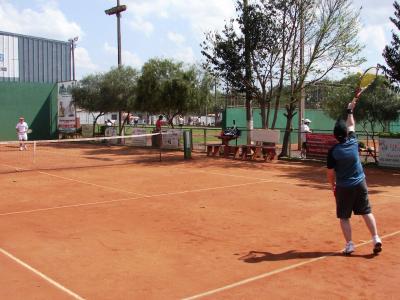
(346, 176)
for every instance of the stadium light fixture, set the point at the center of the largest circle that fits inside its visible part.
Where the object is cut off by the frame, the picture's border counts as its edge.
(72, 42)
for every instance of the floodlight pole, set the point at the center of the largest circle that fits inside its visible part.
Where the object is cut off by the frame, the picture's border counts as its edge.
(301, 75)
(117, 10)
(72, 42)
(119, 36)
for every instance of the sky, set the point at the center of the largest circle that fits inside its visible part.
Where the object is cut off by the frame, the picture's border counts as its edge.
(155, 28)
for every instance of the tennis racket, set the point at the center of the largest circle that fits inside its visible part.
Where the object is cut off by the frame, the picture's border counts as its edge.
(29, 131)
(366, 80)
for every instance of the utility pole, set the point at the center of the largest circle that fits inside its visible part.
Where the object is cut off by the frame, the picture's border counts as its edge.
(117, 10)
(301, 75)
(247, 58)
(72, 42)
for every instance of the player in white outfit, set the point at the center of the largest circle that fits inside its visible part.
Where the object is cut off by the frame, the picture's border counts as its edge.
(22, 133)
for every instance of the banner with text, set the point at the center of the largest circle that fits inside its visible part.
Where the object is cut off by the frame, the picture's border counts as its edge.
(9, 63)
(66, 108)
(389, 152)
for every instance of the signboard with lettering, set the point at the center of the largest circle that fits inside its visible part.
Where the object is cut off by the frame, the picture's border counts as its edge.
(9, 62)
(389, 152)
(170, 138)
(66, 108)
(318, 145)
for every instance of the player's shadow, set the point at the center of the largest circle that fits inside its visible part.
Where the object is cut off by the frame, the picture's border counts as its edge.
(260, 256)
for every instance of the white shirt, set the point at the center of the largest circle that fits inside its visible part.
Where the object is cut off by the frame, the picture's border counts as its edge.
(22, 127)
(304, 129)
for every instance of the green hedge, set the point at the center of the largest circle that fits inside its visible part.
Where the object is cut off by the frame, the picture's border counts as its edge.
(390, 135)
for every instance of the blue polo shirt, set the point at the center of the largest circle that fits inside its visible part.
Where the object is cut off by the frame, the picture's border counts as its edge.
(344, 158)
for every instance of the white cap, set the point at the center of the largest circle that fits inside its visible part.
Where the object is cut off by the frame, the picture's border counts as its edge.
(307, 121)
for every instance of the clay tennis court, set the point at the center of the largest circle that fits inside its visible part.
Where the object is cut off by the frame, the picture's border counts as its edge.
(206, 228)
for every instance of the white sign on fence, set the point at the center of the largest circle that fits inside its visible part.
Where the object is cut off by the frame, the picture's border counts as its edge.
(170, 138)
(265, 135)
(87, 130)
(140, 141)
(389, 152)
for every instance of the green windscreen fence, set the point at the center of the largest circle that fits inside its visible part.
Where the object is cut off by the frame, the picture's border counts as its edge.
(37, 102)
(321, 122)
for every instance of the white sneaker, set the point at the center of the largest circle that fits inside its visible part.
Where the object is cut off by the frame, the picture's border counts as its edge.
(377, 244)
(349, 248)
(20, 148)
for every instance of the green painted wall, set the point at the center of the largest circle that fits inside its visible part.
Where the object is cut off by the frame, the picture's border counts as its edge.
(320, 122)
(37, 102)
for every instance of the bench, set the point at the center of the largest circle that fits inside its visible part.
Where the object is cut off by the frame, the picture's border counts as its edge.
(213, 149)
(265, 151)
(366, 152)
(264, 146)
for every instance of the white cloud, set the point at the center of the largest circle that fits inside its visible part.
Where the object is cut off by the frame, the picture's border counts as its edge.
(176, 37)
(128, 58)
(48, 21)
(373, 37)
(186, 55)
(202, 15)
(83, 60)
(139, 24)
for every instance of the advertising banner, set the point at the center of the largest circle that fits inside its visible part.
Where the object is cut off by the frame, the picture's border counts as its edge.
(66, 109)
(140, 140)
(318, 145)
(389, 152)
(170, 139)
(9, 63)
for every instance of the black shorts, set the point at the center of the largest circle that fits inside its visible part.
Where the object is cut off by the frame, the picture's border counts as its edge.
(304, 145)
(352, 199)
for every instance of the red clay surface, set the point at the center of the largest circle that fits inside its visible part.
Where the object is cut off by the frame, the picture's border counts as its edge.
(175, 230)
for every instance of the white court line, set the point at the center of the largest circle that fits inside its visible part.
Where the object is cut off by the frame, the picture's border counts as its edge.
(128, 199)
(272, 181)
(67, 206)
(92, 184)
(390, 195)
(239, 176)
(277, 271)
(43, 276)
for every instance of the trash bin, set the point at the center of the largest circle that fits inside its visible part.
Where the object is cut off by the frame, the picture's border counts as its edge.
(187, 144)
(155, 140)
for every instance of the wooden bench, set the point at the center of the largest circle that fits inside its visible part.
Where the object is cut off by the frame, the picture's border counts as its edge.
(366, 152)
(213, 149)
(264, 146)
(253, 152)
(233, 151)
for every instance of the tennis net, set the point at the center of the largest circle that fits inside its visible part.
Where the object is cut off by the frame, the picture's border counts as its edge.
(84, 152)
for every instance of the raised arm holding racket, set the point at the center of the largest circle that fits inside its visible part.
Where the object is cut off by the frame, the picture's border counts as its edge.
(346, 175)
(367, 79)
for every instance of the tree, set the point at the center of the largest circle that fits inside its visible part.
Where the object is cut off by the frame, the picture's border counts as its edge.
(377, 107)
(88, 96)
(392, 53)
(119, 87)
(168, 88)
(330, 38)
(235, 56)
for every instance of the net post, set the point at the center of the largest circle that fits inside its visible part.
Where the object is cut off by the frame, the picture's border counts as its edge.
(34, 152)
(187, 149)
(160, 144)
(205, 139)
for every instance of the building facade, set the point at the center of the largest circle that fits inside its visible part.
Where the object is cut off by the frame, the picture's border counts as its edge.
(33, 59)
